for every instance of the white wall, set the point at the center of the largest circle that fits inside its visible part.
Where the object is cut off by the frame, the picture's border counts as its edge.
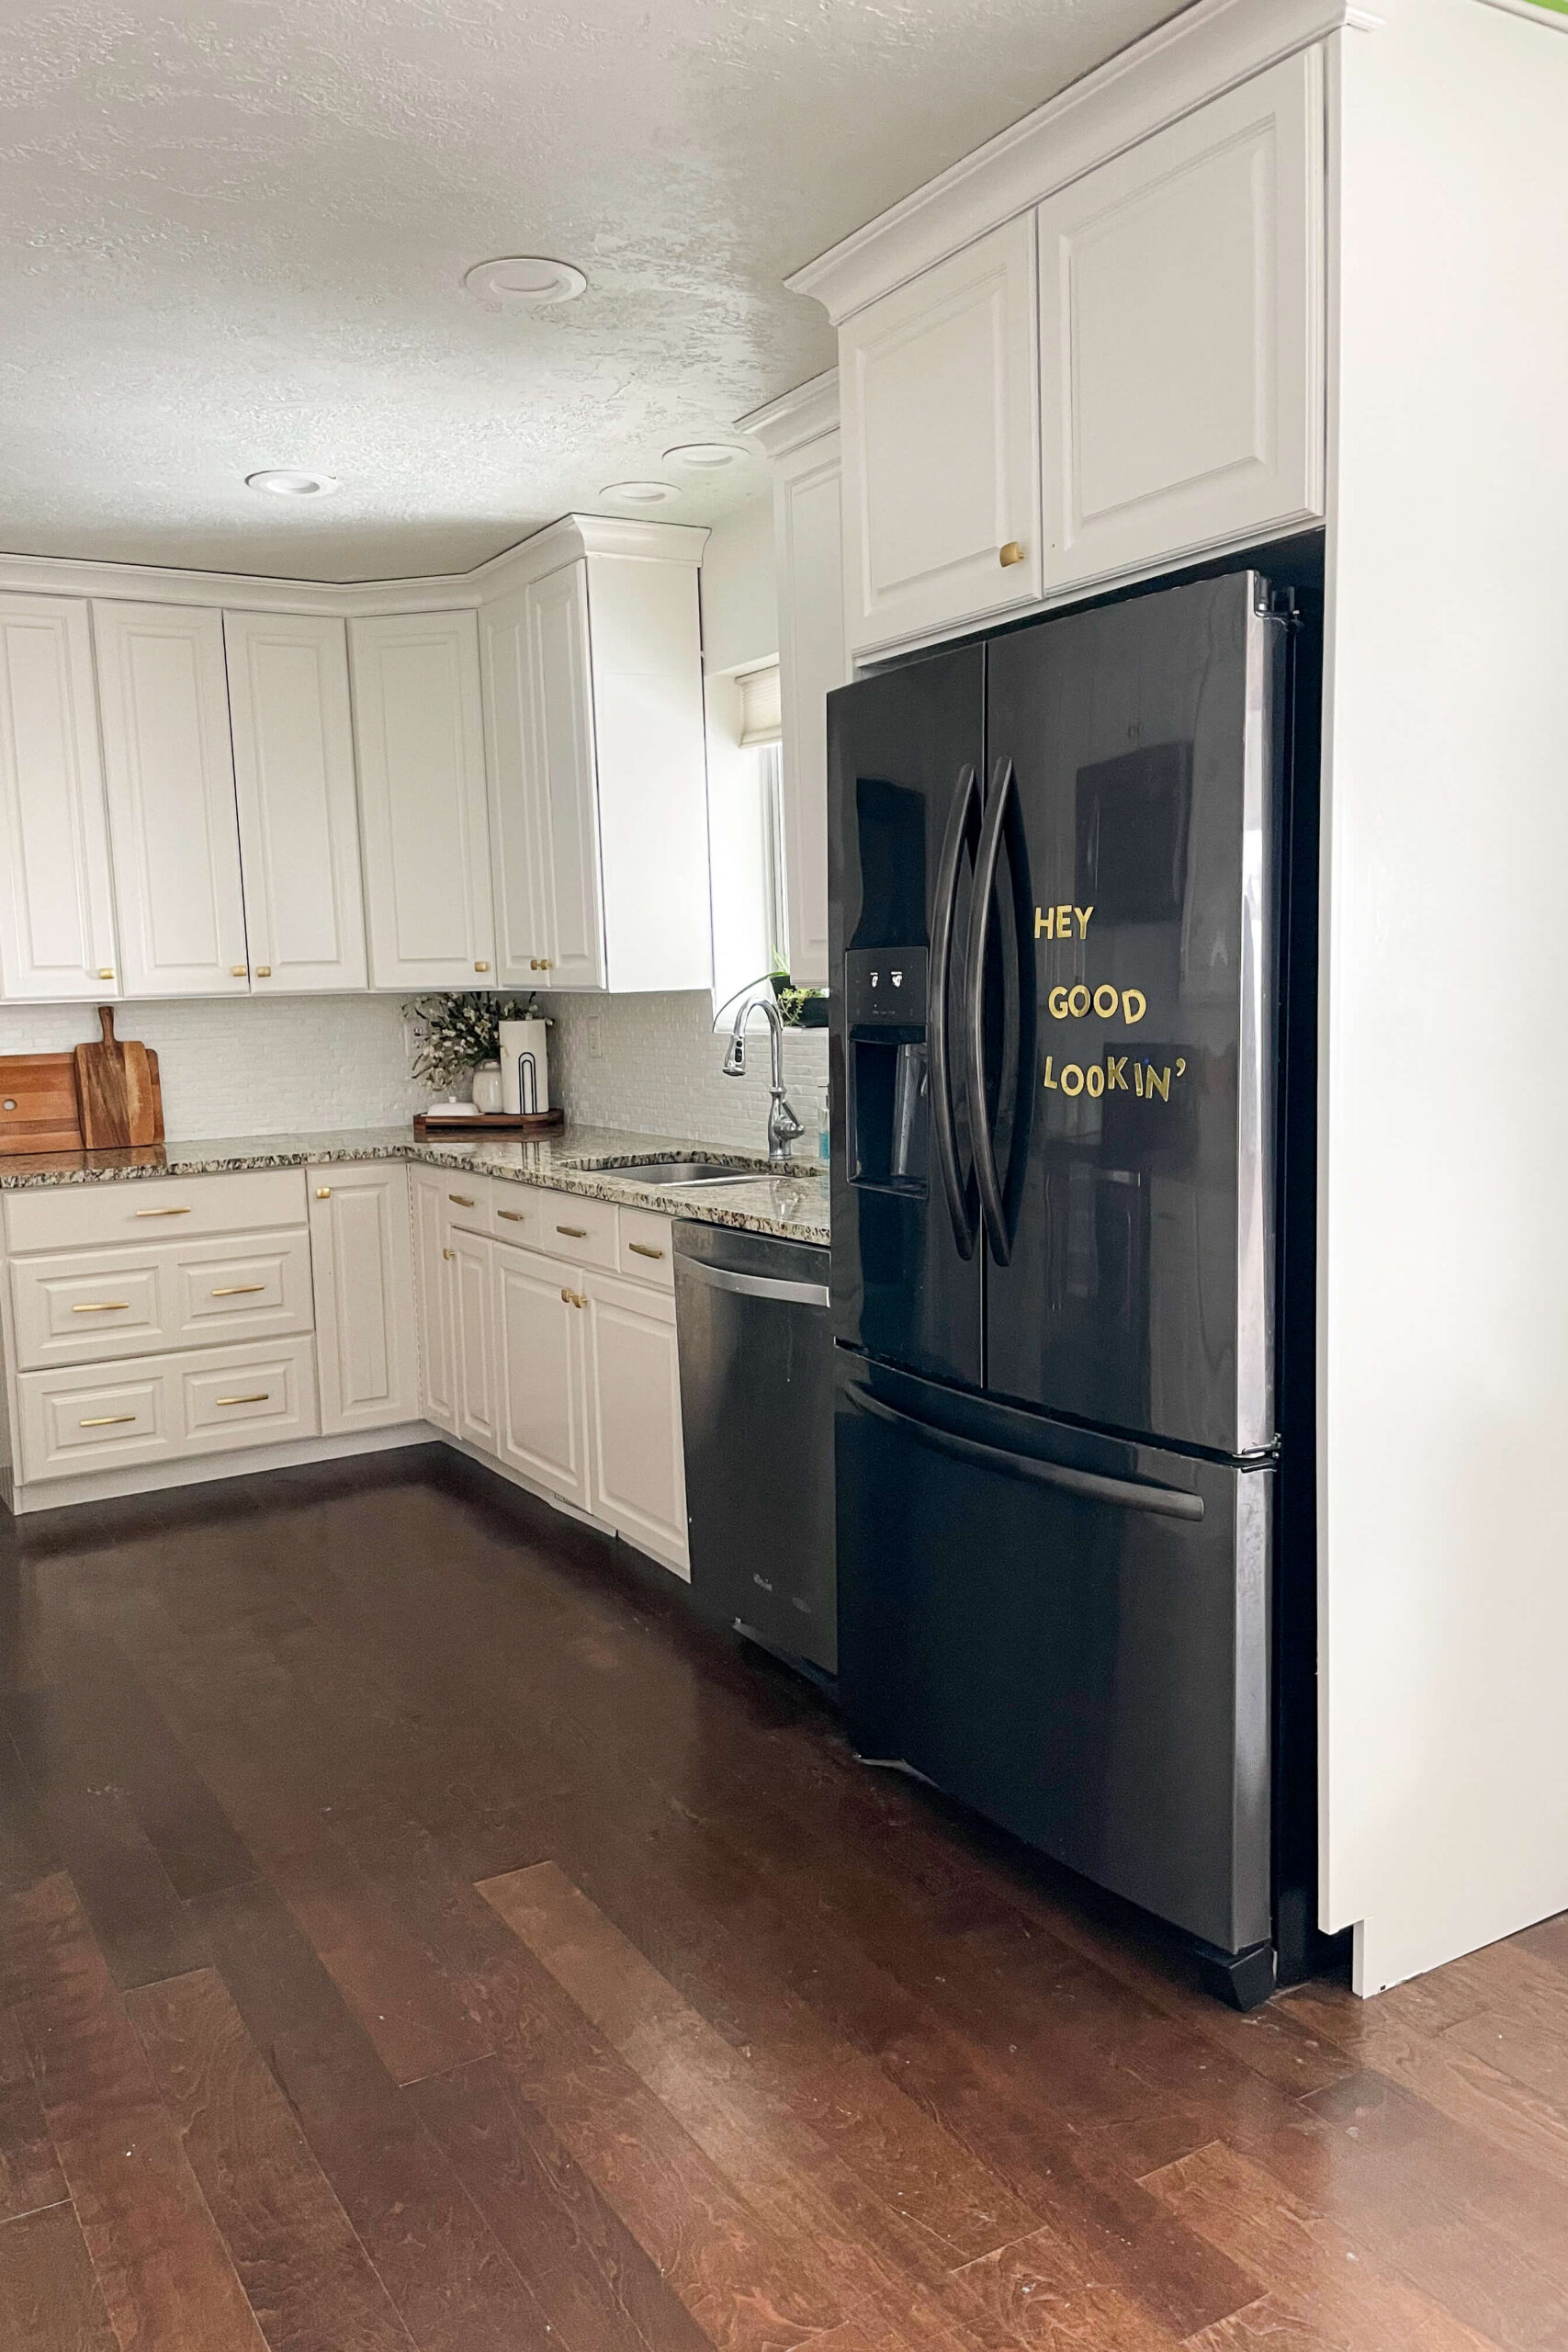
(741, 631)
(251, 1066)
(741, 611)
(1444, 1354)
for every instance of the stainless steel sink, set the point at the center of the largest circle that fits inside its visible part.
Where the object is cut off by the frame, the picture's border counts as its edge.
(671, 1174)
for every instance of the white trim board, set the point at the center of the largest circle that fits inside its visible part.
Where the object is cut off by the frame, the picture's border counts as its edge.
(153, 1478)
(807, 414)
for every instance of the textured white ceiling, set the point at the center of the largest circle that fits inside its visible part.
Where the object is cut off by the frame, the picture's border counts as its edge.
(234, 231)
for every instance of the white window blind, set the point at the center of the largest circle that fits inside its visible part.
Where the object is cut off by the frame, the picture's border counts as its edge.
(761, 708)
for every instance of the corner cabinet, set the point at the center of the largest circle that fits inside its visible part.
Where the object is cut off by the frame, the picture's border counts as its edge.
(57, 935)
(598, 763)
(170, 775)
(362, 1272)
(937, 387)
(293, 738)
(1181, 335)
(422, 781)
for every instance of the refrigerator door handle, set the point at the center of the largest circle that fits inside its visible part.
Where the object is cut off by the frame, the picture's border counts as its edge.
(1002, 787)
(946, 915)
(1127, 1494)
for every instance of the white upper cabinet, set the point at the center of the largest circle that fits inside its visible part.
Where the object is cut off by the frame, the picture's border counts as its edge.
(56, 910)
(170, 776)
(1181, 304)
(937, 382)
(422, 782)
(298, 819)
(593, 697)
(813, 660)
(544, 801)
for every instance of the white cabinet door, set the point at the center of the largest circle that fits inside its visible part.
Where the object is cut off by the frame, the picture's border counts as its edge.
(637, 1472)
(299, 816)
(937, 385)
(433, 1290)
(541, 1415)
(362, 1273)
(170, 775)
(539, 693)
(1181, 310)
(473, 1351)
(808, 525)
(56, 910)
(422, 785)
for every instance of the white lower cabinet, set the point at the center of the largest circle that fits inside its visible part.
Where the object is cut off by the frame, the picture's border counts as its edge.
(361, 1266)
(539, 1351)
(473, 1348)
(208, 1400)
(432, 1291)
(636, 1474)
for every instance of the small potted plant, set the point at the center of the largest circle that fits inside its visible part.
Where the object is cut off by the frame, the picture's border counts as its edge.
(453, 1035)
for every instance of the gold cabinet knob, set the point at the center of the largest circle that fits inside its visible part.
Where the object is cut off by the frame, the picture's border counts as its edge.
(239, 971)
(105, 972)
(446, 1253)
(324, 1191)
(1012, 552)
(263, 971)
(481, 967)
(546, 964)
(532, 963)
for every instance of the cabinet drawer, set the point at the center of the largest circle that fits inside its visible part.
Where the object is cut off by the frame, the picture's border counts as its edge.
(204, 1400)
(643, 1247)
(94, 1307)
(466, 1203)
(582, 1230)
(88, 1216)
(521, 1211)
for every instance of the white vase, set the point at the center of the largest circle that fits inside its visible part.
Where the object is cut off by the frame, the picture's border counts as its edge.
(487, 1087)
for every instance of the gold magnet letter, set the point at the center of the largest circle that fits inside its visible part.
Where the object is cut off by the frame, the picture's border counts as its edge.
(1058, 1000)
(1159, 1083)
(1077, 1009)
(1131, 997)
(1094, 1079)
(1050, 1081)
(1083, 914)
(1045, 922)
(1115, 1073)
(1106, 1001)
(1063, 922)
(1072, 1080)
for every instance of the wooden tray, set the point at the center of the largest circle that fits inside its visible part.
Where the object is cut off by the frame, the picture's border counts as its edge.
(491, 1123)
(48, 1116)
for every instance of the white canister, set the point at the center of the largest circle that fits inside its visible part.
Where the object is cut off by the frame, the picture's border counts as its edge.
(487, 1087)
(524, 1066)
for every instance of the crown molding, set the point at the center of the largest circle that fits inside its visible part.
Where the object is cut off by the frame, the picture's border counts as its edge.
(805, 414)
(1197, 56)
(559, 542)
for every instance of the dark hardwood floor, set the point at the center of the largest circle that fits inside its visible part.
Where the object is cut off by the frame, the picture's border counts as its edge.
(415, 1932)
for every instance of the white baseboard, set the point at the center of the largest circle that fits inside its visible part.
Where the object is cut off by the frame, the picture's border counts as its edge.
(150, 1478)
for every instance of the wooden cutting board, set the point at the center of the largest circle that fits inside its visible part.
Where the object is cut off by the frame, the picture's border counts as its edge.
(114, 1087)
(39, 1104)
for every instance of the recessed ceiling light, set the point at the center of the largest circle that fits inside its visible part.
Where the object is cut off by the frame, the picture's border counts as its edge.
(706, 456)
(523, 281)
(640, 494)
(287, 482)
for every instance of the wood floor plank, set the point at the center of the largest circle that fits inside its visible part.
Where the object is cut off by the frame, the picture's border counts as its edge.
(29, 2169)
(1313, 2267)
(48, 2299)
(1266, 2325)
(307, 2277)
(452, 2284)
(143, 1930)
(27, 1850)
(161, 2265)
(1049, 2297)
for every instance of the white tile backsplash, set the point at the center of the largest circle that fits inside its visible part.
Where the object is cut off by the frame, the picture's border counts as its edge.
(251, 1066)
(254, 1066)
(659, 1069)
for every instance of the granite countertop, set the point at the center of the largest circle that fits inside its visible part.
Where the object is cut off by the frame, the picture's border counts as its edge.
(793, 1202)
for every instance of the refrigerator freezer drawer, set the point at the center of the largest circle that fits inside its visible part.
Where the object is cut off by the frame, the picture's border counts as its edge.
(1069, 1632)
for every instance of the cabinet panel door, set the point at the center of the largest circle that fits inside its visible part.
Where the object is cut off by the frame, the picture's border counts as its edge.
(542, 1422)
(299, 813)
(170, 774)
(564, 788)
(432, 1291)
(937, 385)
(56, 910)
(522, 928)
(362, 1263)
(422, 781)
(812, 661)
(637, 1473)
(473, 1351)
(1181, 310)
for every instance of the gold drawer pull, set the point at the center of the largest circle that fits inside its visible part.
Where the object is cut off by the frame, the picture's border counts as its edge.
(102, 1307)
(239, 971)
(641, 1250)
(573, 1232)
(573, 1298)
(461, 1200)
(105, 1420)
(106, 971)
(481, 967)
(261, 1396)
(512, 1216)
(324, 1191)
(263, 971)
(238, 1289)
(163, 1212)
(1012, 553)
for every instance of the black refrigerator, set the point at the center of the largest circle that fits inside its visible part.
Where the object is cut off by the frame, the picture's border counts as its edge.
(1054, 881)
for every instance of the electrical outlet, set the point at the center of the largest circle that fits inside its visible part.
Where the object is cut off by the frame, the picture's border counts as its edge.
(593, 1030)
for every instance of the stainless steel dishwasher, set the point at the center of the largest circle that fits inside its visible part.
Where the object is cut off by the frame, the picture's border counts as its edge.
(757, 1413)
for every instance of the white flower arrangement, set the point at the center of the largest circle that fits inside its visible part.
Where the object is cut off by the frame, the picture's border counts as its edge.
(454, 1034)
